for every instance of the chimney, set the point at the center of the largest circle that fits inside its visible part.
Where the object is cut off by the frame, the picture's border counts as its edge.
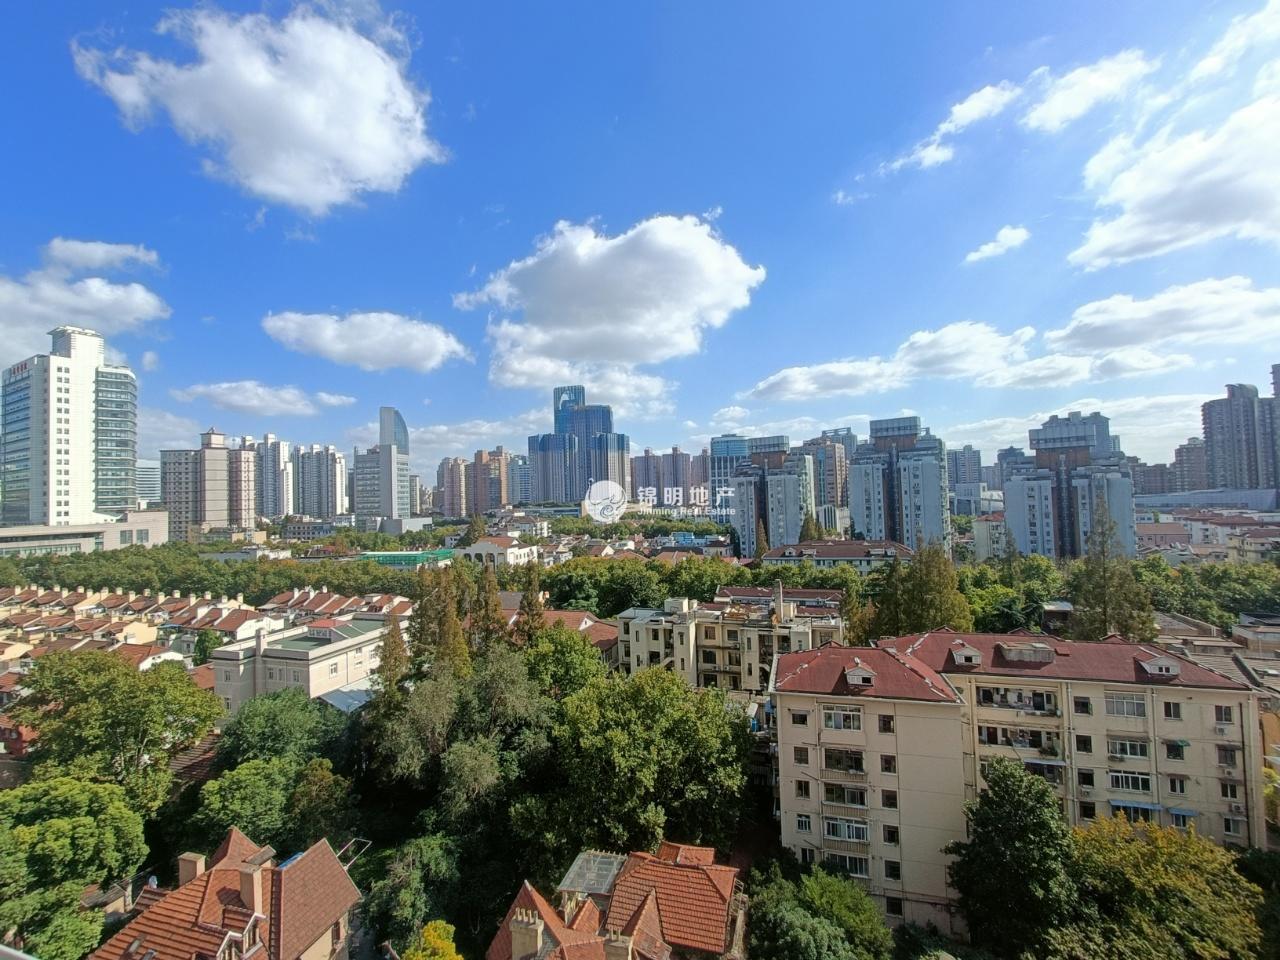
(190, 866)
(260, 641)
(239, 598)
(526, 935)
(208, 595)
(617, 946)
(251, 886)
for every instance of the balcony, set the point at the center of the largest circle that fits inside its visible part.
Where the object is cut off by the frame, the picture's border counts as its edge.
(860, 847)
(844, 776)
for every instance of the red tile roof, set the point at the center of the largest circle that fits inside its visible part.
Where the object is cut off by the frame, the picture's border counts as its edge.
(684, 853)
(895, 676)
(554, 927)
(693, 900)
(1111, 661)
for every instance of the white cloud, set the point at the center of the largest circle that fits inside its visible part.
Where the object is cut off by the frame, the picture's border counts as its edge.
(370, 341)
(1007, 238)
(150, 360)
(594, 308)
(990, 101)
(1174, 192)
(1070, 97)
(846, 198)
(162, 430)
(1245, 32)
(797, 428)
(59, 293)
(258, 399)
(334, 399)
(310, 111)
(730, 414)
(1208, 312)
(1149, 426)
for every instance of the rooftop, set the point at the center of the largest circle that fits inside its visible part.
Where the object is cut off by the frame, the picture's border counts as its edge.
(841, 670)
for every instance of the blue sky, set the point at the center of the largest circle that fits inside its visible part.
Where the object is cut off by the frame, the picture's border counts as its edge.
(717, 216)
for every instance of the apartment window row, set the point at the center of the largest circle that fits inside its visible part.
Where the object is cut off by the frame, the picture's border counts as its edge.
(843, 718)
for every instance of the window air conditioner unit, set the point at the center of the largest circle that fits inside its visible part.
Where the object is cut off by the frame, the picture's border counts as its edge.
(1220, 731)
(1237, 808)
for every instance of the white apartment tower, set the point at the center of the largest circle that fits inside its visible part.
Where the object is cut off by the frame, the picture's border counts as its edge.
(319, 482)
(274, 483)
(70, 434)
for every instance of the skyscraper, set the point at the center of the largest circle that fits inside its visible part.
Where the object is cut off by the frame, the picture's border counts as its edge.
(898, 485)
(519, 482)
(563, 401)
(1190, 469)
(487, 478)
(274, 484)
(831, 477)
(676, 466)
(964, 466)
(210, 488)
(381, 485)
(452, 481)
(559, 469)
(553, 467)
(70, 434)
(610, 458)
(392, 429)
(728, 451)
(320, 482)
(1242, 439)
(646, 473)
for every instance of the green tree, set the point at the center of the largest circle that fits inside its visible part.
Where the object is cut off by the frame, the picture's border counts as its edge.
(416, 882)
(435, 942)
(452, 651)
(762, 540)
(844, 903)
(488, 625)
(393, 661)
(1104, 591)
(424, 621)
(890, 589)
(782, 929)
(475, 530)
(860, 625)
(253, 797)
(286, 724)
(322, 806)
(562, 661)
(206, 642)
(1015, 830)
(809, 529)
(56, 837)
(931, 593)
(530, 618)
(99, 718)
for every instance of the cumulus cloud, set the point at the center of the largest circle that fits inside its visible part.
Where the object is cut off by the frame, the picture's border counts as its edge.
(1149, 426)
(1071, 96)
(592, 308)
(1173, 192)
(150, 360)
(68, 289)
(334, 399)
(1007, 238)
(1246, 32)
(310, 111)
(259, 399)
(990, 101)
(1229, 310)
(729, 415)
(370, 341)
(163, 430)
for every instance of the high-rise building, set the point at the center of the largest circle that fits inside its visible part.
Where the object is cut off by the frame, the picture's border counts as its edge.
(775, 489)
(845, 437)
(778, 443)
(1049, 503)
(610, 458)
(415, 495)
(1190, 469)
(646, 474)
(148, 482)
(487, 479)
(991, 476)
(964, 466)
(898, 485)
(831, 470)
(393, 448)
(585, 422)
(1242, 439)
(1012, 461)
(274, 485)
(452, 482)
(519, 480)
(700, 468)
(728, 452)
(563, 401)
(69, 446)
(320, 482)
(210, 488)
(553, 467)
(392, 429)
(381, 484)
(676, 467)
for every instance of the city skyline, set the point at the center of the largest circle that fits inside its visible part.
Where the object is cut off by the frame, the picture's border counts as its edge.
(1011, 233)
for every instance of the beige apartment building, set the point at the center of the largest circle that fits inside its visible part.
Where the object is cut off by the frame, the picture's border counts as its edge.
(1115, 728)
(320, 657)
(721, 645)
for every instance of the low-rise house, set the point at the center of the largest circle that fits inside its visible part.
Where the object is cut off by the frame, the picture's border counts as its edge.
(1259, 632)
(806, 599)
(497, 552)
(1157, 536)
(863, 555)
(242, 903)
(1255, 545)
(182, 632)
(677, 904)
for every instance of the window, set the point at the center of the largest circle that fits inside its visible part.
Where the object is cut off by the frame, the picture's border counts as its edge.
(806, 855)
(1084, 778)
(1182, 820)
(845, 795)
(226, 676)
(893, 906)
(802, 789)
(709, 657)
(1178, 785)
(1082, 705)
(888, 763)
(800, 755)
(800, 718)
(1126, 705)
(841, 828)
(1175, 750)
(886, 723)
(844, 761)
(297, 676)
(1222, 715)
(804, 823)
(889, 799)
(1088, 810)
(1084, 744)
(1172, 710)
(1232, 826)
(1230, 791)
(1134, 814)
(271, 673)
(890, 834)
(1227, 756)
(1127, 748)
(333, 669)
(892, 870)
(842, 718)
(855, 866)
(1124, 780)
